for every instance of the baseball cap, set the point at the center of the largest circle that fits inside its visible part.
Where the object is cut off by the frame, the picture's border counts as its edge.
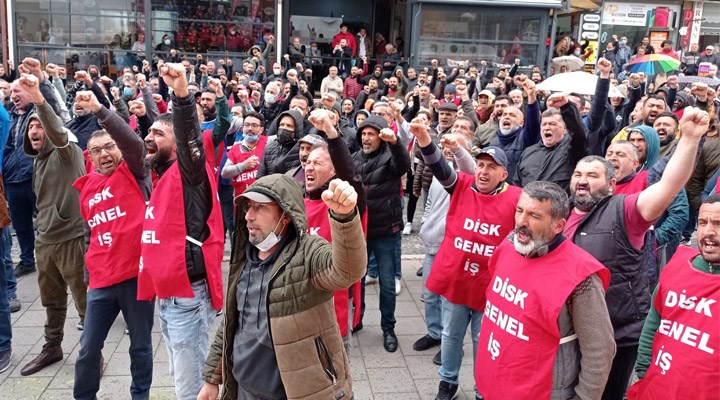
(487, 93)
(497, 154)
(257, 197)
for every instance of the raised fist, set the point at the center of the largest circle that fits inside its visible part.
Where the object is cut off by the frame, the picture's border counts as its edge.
(340, 197)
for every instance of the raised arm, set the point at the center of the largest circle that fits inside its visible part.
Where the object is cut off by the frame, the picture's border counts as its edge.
(654, 200)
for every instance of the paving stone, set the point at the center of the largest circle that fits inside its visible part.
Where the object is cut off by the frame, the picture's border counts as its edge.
(391, 380)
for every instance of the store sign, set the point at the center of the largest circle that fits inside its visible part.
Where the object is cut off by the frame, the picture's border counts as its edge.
(639, 14)
(590, 33)
(697, 17)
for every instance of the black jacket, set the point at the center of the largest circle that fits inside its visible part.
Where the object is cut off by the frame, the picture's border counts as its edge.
(278, 157)
(381, 171)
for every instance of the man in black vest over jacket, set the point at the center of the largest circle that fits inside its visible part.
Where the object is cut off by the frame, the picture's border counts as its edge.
(612, 229)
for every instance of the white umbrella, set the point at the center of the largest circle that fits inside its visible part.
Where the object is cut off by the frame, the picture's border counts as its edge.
(571, 63)
(576, 82)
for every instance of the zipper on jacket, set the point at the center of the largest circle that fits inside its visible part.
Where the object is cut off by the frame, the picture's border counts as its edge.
(325, 360)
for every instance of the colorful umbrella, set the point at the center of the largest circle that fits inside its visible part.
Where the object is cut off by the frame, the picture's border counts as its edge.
(652, 64)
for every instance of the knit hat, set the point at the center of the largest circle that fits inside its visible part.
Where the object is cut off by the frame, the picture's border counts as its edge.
(450, 88)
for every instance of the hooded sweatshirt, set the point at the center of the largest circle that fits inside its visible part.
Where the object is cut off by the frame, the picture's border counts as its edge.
(57, 166)
(652, 140)
(282, 151)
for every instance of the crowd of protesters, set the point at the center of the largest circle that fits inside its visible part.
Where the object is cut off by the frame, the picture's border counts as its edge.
(557, 226)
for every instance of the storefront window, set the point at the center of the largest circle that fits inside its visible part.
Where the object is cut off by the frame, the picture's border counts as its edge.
(495, 35)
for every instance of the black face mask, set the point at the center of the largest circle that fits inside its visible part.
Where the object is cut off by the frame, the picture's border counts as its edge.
(285, 136)
(94, 75)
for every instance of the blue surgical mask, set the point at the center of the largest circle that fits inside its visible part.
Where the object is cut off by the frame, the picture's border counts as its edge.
(127, 92)
(623, 41)
(250, 138)
(577, 52)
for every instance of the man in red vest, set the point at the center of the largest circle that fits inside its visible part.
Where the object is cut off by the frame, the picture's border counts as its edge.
(112, 202)
(325, 162)
(182, 237)
(546, 332)
(480, 216)
(243, 158)
(681, 335)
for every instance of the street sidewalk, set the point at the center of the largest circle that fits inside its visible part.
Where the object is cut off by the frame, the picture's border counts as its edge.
(377, 374)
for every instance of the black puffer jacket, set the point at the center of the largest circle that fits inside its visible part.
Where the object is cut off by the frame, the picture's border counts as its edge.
(280, 158)
(381, 171)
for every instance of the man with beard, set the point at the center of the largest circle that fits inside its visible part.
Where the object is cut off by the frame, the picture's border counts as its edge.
(561, 346)
(516, 133)
(324, 163)
(381, 163)
(479, 217)
(486, 131)
(352, 85)
(332, 84)
(124, 184)
(85, 123)
(243, 158)
(281, 152)
(182, 241)
(447, 112)
(59, 244)
(665, 360)
(652, 107)
(563, 143)
(666, 125)
(215, 124)
(307, 143)
(596, 213)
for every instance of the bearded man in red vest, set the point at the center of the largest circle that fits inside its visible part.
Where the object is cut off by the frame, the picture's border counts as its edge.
(479, 217)
(326, 161)
(182, 237)
(681, 335)
(546, 331)
(112, 202)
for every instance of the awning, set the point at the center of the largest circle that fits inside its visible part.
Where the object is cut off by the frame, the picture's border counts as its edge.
(580, 6)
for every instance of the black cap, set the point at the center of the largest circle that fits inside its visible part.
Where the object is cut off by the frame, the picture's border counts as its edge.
(446, 106)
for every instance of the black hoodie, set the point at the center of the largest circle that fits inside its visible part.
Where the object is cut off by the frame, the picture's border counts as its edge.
(282, 155)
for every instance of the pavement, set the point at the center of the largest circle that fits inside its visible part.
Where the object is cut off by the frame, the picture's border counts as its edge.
(377, 374)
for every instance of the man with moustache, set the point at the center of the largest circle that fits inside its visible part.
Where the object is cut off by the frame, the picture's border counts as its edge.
(123, 184)
(557, 339)
(612, 229)
(243, 158)
(479, 217)
(664, 360)
(307, 143)
(488, 130)
(182, 241)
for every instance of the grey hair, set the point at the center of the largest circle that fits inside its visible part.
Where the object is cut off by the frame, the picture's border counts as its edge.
(609, 169)
(627, 143)
(552, 192)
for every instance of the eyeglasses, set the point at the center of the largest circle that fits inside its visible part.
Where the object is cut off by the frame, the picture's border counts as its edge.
(251, 126)
(256, 207)
(96, 151)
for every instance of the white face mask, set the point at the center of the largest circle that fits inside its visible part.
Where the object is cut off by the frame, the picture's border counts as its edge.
(271, 240)
(167, 42)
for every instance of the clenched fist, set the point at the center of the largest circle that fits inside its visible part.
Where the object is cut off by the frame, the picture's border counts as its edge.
(340, 197)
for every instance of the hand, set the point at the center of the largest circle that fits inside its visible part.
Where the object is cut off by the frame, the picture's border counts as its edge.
(86, 100)
(104, 79)
(387, 135)
(156, 97)
(340, 197)
(396, 109)
(434, 63)
(203, 69)
(556, 100)
(605, 67)
(251, 163)
(142, 80)
(434, 103)
(137, 107)
(135, 69)
(364, 60)
(32, 66)
(11, 64)
(174, 77)
(615, 38)
(221, 62)
(461, 91)
(53, 70)
(531, 91)
(694, 123)
(366, 89)
(517, 61)
(483, 63)
(672, 82)
(256, 96)
(84, 77)
(115, 92)
(62, 72)
(261, 69)
(386, 81)
(215, 85)
(323, 120)
(420, 130)
(302, 85)
(699, 90)
(208, 392)
(328, 101)
(450, 142)
(31, 85)
(286, 57)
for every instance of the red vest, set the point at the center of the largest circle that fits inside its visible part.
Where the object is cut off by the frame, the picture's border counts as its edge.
(635, 185)
(519, 337)
(685, 363)
(163, 267)
(476, 223)
(318, 222)
(113, 208)
(213, 156)
(236, 156)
